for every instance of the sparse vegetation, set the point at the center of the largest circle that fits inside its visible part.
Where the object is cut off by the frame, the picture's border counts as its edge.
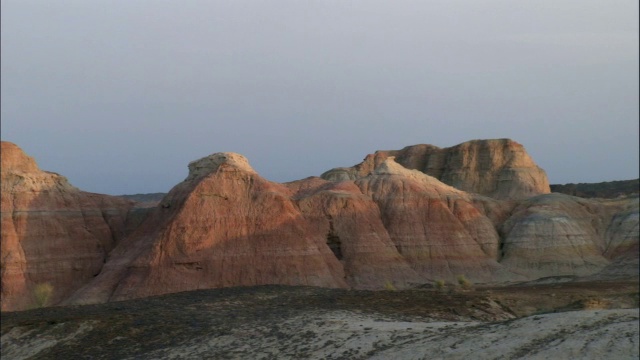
(250, 320)
(608, 189)
(464, 282)
(389, 286)
(42, 294)
(439, 284)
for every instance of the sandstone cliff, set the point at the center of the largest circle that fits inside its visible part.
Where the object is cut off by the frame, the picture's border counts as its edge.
(351, 224)
(224, 225)
(386, 223)
(500, 168)
(435, 227)
(392, 228)
(51, 232)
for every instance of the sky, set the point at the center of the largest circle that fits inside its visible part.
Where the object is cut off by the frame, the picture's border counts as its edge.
(120, 95)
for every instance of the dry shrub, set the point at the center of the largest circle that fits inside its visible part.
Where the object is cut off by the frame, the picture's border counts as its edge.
(42, 294)
(463, 282)
(389, 286)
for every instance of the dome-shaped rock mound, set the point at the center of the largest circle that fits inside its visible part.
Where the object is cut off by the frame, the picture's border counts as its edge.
(399, 219)
(52, 233)
(212, 163)
(436, 228)
(499, 168)
(223, 226)
(15, 160)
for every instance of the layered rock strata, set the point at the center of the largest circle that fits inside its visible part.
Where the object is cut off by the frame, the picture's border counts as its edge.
(557, 234)
(351, 224)
(224, 225)
(227, 226)
(393, 228)
(499, 168)
(435, 227)
(387, 227)
(52, 233)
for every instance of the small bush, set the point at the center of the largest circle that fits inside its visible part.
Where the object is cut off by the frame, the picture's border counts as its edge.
(439, 284)
(389, 286)
(463, 282)
(42, 294)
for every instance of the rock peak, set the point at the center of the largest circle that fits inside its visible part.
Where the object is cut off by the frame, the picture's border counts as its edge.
(52, 233)
(15, 159)
(389, 166)
(499, 168)
(213, 162)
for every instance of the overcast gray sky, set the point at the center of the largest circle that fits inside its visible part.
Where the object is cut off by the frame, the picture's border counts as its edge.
(120, 95)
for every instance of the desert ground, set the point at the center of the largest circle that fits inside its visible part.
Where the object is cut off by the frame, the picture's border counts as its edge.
(547, 319)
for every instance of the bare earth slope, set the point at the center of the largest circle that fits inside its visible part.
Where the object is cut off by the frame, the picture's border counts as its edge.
(394, 228)
(593, 320)
(51, 231)
(562, 235)
(223, 226)
(390, 227)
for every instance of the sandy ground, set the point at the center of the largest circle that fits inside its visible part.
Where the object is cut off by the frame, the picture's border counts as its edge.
(589, 334)
(540, 322)
(19, 344)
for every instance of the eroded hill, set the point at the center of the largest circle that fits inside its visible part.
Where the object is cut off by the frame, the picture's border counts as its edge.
(479, 210)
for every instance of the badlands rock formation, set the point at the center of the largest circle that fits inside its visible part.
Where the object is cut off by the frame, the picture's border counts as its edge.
(435, 227)
(223, 225)
(500, 168)
(51, 232)
(557, 234)
(227, 226)
(377, 225)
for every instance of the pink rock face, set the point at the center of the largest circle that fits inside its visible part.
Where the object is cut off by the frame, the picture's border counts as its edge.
(396, 227)
(14, 159)
(435, 227)
(226, 226)
(500, 168)
(351, 224)
(223, 226)
(378, 225)
(51, 232)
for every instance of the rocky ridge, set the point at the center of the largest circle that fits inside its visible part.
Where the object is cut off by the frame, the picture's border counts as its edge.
(499, 168)
(224, 225)
(386, 223)
(605, 190)
(52, 233)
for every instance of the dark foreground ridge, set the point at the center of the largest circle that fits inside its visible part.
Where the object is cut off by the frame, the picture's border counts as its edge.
(308, 322)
